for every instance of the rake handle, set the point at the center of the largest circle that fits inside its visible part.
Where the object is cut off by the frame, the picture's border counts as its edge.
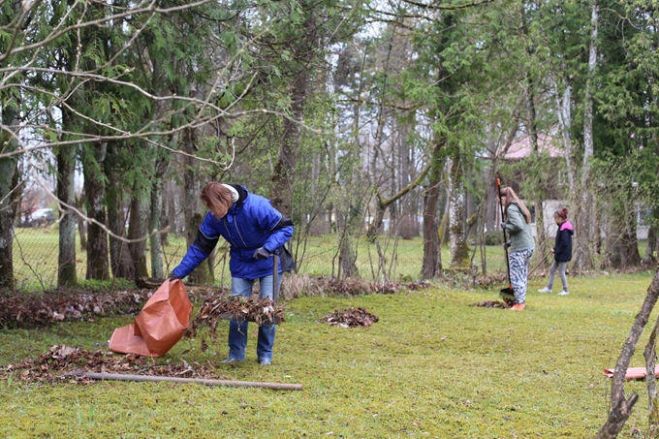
(505, 235)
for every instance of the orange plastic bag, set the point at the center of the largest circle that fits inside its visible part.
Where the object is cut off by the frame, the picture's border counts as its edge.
(159, 326)
(633, 373)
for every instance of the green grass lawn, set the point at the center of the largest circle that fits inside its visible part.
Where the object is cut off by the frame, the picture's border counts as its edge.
(431, 367)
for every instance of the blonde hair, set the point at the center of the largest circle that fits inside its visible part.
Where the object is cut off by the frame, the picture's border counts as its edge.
(217, 198)
(512, 198)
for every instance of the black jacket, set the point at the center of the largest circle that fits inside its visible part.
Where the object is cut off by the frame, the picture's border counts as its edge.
(563, 246)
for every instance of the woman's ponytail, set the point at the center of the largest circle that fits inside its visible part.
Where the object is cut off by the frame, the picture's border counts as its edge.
(561, 213)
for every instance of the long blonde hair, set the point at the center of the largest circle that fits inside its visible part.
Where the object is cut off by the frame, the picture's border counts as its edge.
(512, 198)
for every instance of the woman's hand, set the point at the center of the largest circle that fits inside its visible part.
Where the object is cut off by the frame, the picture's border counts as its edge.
(261, 253)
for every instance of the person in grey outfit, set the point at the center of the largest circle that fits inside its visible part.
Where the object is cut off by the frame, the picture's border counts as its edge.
(517, 223)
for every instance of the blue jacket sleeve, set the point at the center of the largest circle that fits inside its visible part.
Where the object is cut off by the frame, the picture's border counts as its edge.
(199, 250)
(268, 220)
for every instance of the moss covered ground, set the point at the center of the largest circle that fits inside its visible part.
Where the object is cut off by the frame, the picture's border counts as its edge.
(431, 367)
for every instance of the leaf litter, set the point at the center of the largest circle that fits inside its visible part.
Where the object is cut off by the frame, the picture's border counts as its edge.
(491, 304)
(350, 318)
(218, 308)
(39, 310)
(66, 363)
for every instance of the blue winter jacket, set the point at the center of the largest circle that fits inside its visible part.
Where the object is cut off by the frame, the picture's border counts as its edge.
(250, 223)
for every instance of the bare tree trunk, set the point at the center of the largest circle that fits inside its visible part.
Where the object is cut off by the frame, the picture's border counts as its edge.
(652, 239)
(138, 227)
(585, 227)
(7, 172)
(621, 406)
(432, 258)
(170, 204)
(66, 261)
(457, 216)
(121, 261)
(203, 274)
(532, 126)
(622, 244)
(650, 355)
(347, 252)
(282, 179)
(97, 239)
(564, 113)
(157, 269)
(82, 224)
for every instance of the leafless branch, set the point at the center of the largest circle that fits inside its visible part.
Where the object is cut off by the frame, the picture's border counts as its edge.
(94, 221)
(139, 9)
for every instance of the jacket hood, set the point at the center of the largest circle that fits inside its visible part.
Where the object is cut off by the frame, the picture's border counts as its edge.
(567, 225)
(242, 192)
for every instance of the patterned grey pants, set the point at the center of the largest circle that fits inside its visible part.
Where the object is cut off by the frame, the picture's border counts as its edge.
(519, 272)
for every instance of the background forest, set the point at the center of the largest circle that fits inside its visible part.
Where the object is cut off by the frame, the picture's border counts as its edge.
(369, 123)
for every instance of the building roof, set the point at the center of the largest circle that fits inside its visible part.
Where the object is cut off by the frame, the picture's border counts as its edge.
(521, 147)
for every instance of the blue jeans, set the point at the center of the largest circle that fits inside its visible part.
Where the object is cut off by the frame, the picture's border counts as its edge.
(238, 329)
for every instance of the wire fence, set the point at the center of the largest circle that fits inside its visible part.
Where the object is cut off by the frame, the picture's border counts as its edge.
(36, 249)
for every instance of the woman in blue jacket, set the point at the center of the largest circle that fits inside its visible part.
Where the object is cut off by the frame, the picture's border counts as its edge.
(254, 230)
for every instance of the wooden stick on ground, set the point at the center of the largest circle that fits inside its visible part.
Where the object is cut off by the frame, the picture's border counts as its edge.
(208, 382)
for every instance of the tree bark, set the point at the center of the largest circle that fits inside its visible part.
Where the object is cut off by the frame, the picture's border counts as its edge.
(284, 172)
(432, 259)
(533, 136)
(203, 274)
(7, 172)
(532, 126)
(120, 257)
(622, 244)
(457, 216)
(585, 235)
(652, 240)
(97, 240)
(82, 224)
(66, 262)
(564, 113)
(138, 227)
(157, 269)
(347, 253)
(650, 355)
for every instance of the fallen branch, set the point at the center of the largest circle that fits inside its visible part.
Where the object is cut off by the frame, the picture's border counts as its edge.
(170, 379)
(60, 361)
